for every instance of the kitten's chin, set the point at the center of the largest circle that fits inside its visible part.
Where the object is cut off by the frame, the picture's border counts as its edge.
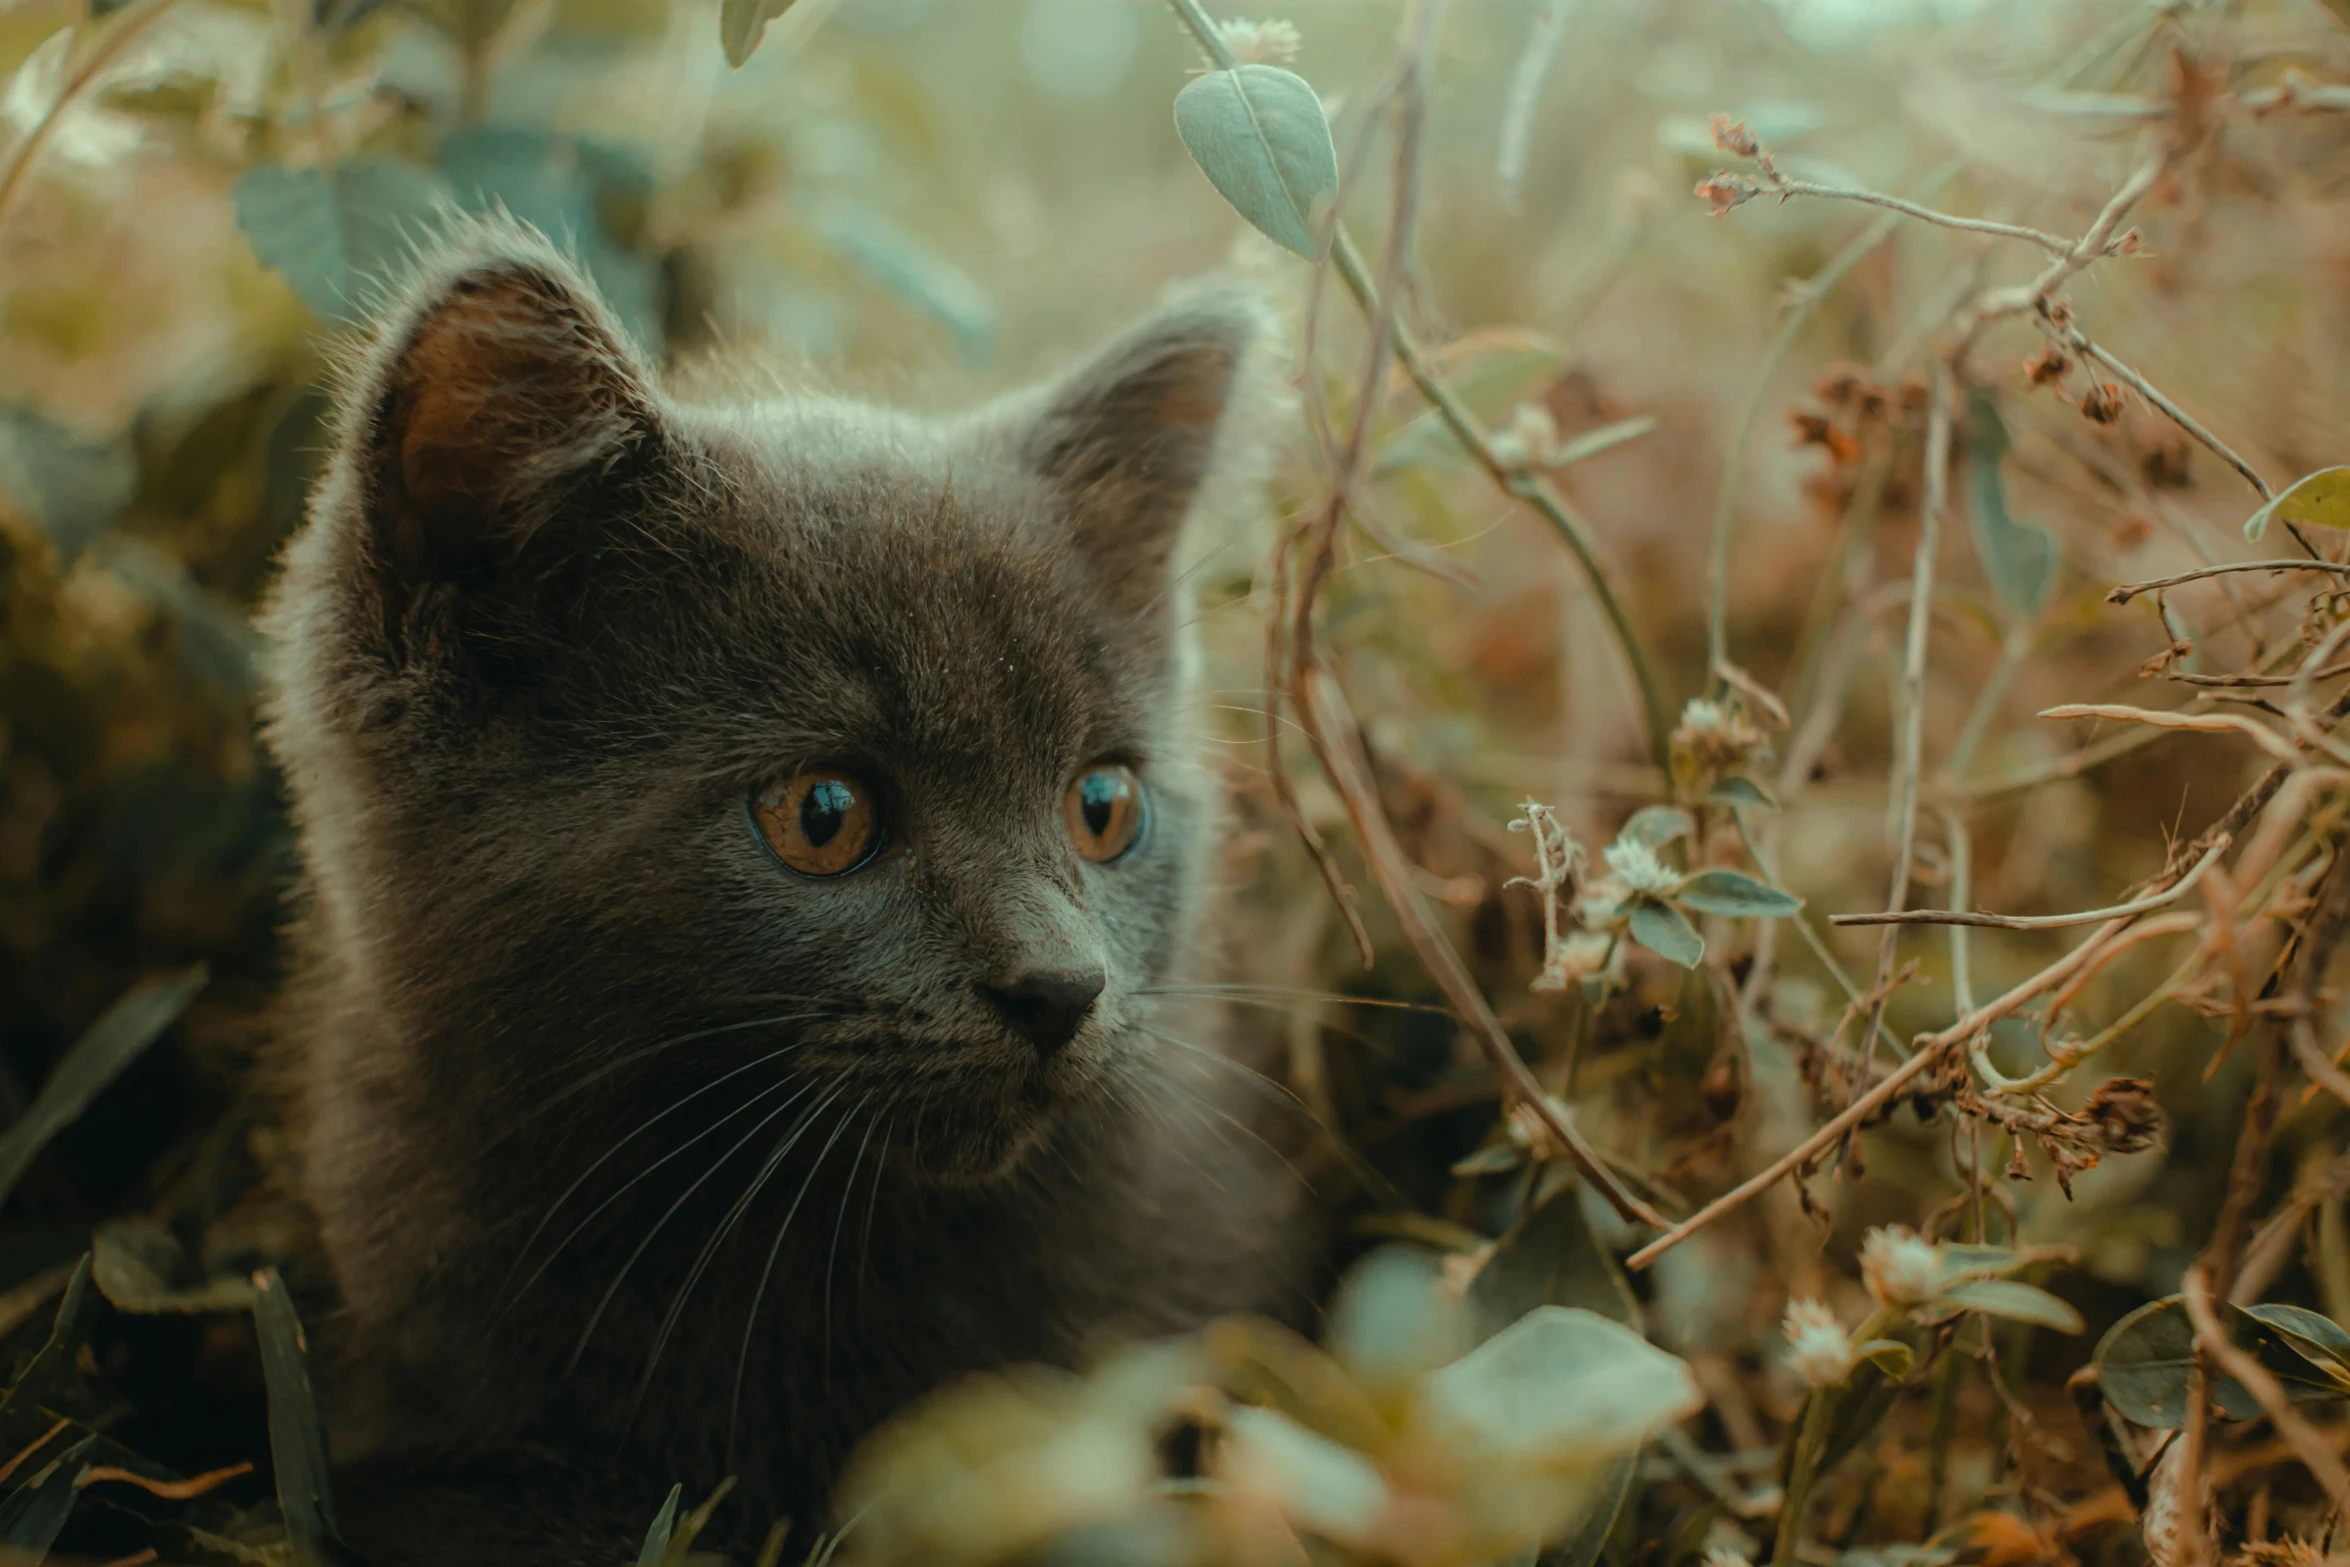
(970, 1156)
(984, 1140)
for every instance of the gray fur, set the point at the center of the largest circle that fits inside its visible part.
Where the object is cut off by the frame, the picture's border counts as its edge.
(543, 632)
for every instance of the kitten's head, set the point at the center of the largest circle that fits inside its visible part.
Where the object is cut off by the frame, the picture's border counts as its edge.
(802, 752)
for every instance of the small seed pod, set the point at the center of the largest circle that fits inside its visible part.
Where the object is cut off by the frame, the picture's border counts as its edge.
(2102, 403)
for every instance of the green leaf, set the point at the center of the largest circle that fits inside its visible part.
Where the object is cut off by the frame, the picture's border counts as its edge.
(1393, 1320)
(680, 1549)
(1963, 1261)
(1888, 1355)
(1581, 1548)
(72, 486)
(742, 23)
(2021, 560)
(297, 1441)
(1742, 791)
(1258, 133)
(656, 1543)
(1654, 826)
(140, 1267)
(2322, 499)
(2016, 1301)
(122, 1031)
(1666, 931)
(1320, 1486)
(51, 1380)
(1735, 894)
(34, 1515)
(2316, 1338)
(1550, 1258)
(332, 232)
(2143, 1359)
(1558, 1387)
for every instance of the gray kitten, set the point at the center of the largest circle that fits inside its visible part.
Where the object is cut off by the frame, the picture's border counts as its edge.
(747, 848)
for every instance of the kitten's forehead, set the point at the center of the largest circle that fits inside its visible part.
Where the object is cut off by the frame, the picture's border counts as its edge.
(917, 592)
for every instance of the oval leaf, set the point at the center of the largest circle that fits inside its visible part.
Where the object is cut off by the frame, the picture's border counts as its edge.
(2142, 1366)
(1666, 931)
(1654, 826)
(1742, 791)
(1888, 1355)
(1319, 1486)
(1258, 133)
(1560, 1386)
(331, 231)
(1737, 895)
(2020, 559)
(2318, 1339)
(2015, 1301)
(2322, 499)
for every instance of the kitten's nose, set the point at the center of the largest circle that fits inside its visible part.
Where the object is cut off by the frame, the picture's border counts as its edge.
(1048, 1006)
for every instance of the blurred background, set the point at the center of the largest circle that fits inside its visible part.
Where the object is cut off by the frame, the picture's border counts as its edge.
(926, 200)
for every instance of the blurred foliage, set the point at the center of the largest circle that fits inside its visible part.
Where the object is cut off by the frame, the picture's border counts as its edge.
(927, 198)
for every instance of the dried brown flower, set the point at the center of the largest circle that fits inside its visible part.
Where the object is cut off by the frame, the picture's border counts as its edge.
(1733, 137)
(2045, 367)
(2102, 403)
(2125, 1114)
(1724, 191)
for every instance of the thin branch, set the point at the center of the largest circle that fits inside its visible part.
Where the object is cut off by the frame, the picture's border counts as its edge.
(1930, 1050)
(2177, 415)
(2040, 921)
(2055, 244)
(1912, 764)
(2130, 590)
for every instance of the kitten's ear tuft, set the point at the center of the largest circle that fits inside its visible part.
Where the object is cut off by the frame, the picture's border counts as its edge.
(496, 397)
(1130, 437)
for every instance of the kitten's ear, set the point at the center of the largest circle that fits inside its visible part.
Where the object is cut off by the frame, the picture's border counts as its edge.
(501, 399)
(1130, 437)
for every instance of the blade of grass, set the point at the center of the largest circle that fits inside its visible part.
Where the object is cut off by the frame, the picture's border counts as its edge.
(122, 1032)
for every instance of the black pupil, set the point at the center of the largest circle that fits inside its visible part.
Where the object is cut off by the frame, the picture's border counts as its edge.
(823, 809)
(1097, 800)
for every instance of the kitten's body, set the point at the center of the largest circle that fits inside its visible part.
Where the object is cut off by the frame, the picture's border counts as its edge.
(560, 1010)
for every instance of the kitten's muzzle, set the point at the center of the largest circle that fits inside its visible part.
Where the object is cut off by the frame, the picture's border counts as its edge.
(1047, 1007)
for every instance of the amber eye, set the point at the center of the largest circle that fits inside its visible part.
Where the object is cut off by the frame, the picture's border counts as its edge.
(818, 823)
(1104, 811)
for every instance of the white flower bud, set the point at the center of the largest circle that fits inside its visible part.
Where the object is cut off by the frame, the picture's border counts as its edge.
(1817, 1346)
(1640, 869)
(1900, 1267)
